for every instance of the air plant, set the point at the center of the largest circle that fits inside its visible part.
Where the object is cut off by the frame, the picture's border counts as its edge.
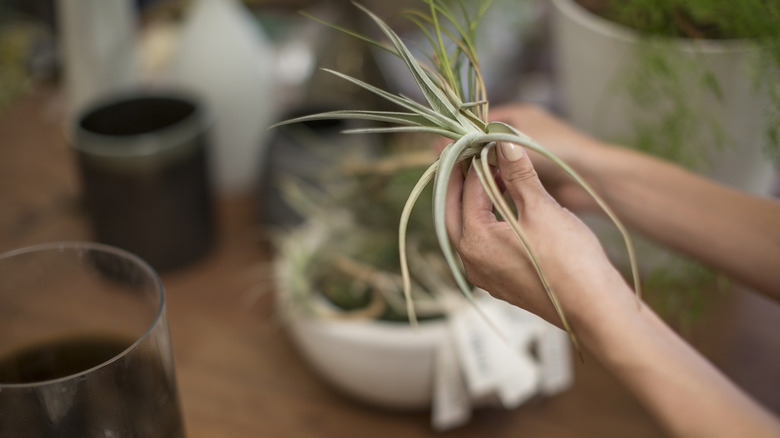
(457, 108)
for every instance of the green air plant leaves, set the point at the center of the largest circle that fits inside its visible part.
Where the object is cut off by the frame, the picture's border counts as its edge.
(457, 109)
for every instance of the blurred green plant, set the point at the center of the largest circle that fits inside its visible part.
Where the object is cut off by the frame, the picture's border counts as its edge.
(346, 250)
(657, 80)
(15, 42)
(705, 19)
(685, 292)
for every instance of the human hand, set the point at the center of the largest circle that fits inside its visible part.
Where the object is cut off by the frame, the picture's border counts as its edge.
(578, 150)
(569, 254)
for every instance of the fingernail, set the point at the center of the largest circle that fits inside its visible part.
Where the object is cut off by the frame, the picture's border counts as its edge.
(511, 151)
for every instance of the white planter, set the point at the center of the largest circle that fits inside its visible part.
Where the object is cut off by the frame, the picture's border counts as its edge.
(499, 354)
(590, 54)
(450, 365)
(385, 364)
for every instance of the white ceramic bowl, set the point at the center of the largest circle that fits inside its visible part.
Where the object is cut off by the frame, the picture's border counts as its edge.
(386, 364)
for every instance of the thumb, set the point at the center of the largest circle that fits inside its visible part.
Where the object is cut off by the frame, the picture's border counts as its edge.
(518, 173)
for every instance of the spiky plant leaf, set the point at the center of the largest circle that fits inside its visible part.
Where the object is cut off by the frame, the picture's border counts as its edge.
(457, 108)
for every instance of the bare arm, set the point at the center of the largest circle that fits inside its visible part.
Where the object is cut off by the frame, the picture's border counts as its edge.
(679, 387)
(734, 232)
(687, 395)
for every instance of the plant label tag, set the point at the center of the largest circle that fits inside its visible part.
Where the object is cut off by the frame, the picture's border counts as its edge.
(517, 370)
(518, 375)
(519, 326)
(451, 406)
(553, 347)
(472, 338)
(555, 356)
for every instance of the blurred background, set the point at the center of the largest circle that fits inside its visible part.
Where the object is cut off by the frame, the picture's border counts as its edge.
(253, 63)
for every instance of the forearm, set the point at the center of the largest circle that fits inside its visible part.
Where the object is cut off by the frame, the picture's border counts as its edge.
(729, 230)
(736, 233)
(687, 395)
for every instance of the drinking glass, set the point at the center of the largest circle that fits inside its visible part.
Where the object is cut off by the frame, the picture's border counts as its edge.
(84, 345)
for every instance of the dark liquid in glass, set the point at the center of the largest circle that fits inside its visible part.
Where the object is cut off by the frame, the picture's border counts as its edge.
(58, 359)
(134, 396)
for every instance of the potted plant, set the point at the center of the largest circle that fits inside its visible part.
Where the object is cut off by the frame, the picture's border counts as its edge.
(696, 82)
(340, 293)
(693, 82)
(454, 105)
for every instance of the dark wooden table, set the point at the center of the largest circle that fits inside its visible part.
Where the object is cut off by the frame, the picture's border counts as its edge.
(238, 374)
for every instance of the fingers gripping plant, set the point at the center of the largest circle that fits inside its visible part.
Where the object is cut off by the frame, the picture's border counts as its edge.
(457, 108)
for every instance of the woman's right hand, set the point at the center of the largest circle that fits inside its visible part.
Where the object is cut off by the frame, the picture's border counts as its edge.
(569, 253)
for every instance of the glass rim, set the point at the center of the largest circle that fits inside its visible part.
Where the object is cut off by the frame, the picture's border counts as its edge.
(92, 143)
(93, 246)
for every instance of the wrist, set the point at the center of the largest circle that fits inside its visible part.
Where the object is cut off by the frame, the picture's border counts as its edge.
(605, 311)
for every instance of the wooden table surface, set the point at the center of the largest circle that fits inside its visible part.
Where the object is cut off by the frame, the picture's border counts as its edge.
(239, 375)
